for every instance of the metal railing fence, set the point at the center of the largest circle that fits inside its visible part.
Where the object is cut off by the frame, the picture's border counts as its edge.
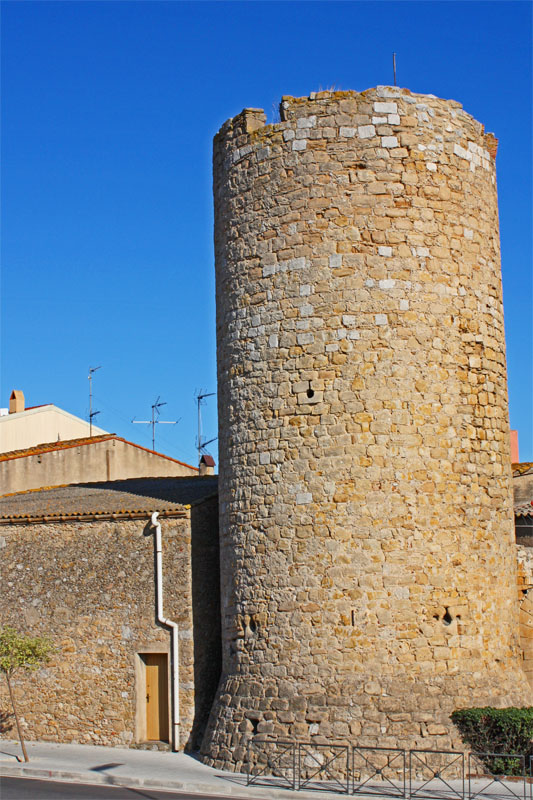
(389, 772)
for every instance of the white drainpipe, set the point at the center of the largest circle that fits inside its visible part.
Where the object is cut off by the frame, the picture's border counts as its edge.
(175, 669)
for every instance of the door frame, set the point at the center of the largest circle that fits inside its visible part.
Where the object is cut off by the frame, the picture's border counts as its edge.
(140, 688)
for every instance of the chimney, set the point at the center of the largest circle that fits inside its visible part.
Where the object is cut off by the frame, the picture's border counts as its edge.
(207, 465)
(515, 459)
(16, 401)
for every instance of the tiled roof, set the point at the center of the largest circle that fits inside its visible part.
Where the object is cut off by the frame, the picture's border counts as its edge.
(524, 509)
(48, 447)
(522, 469)
(127, 498)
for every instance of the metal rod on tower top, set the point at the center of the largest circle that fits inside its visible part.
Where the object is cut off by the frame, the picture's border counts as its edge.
(394, 66)
(91, 412)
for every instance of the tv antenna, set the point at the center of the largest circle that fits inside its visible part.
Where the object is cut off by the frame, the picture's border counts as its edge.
(91, 412)
(201, 445)
(394, 66)
(155, 419)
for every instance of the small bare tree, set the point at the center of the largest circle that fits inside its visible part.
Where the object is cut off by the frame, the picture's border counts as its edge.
(19, 652)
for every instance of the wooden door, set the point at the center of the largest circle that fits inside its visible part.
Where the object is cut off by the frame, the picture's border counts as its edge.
(156, 697)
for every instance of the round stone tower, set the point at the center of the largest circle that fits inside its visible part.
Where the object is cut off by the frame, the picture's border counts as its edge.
(367, 545)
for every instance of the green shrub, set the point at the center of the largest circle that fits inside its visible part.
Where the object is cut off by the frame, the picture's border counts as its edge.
(498, 730)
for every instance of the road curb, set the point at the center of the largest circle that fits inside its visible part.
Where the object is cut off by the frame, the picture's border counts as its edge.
(232, 791)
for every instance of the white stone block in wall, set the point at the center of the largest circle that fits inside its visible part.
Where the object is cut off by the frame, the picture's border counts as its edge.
(354, 335)
(386, 108)
(468, 233)
(263, 153)
(387, 283)
(306, 122)
(379, 120)
(288, 135)
(273, 340)
(299, 144)
(335, 260)
(304, 498)
(306, 310)
(392, 91)
(305, 290)
(348, 132)
(289, 265)
(393, 119)
(381, 319)
(389, 141)
(300, 386)
(366, 131)
(461, 152)
(305, 338)
(404, 305)
(385, 251)
(431, 166)
(348, 320)
(295, 263)
(264, 458)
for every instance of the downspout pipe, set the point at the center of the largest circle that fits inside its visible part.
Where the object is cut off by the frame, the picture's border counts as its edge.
(174, 667)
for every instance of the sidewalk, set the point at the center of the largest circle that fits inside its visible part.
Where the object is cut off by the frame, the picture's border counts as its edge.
(117, 766)
(121, 766)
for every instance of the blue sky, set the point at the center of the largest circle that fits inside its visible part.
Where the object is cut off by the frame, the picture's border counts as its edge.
(108, 114)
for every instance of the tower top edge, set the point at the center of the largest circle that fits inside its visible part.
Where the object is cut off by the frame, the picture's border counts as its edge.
(250, 120)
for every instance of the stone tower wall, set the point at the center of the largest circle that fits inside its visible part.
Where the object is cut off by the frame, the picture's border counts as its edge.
(368, 570)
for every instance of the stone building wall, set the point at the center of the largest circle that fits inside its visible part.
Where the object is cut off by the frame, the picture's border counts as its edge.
(89, 587)
(368, 565)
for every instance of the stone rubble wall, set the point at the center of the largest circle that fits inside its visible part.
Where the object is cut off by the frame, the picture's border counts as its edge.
(367, 551)
(89, 587)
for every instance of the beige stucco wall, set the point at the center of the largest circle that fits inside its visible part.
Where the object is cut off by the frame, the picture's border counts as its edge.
(111, 459)
(89, 586)
(38, 425)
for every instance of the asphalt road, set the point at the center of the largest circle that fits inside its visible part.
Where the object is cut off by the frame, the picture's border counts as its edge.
(33, 789)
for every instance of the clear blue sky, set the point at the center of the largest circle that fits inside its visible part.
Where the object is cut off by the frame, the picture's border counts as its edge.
(108, 113)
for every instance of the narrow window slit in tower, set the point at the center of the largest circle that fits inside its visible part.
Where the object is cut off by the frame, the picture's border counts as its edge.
(310, 392)
(353, 618)
(447, 618)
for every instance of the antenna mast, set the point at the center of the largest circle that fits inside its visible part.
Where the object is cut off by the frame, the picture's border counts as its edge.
(91, 412)
(394, 66)
(155, 421)
(200, 444)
